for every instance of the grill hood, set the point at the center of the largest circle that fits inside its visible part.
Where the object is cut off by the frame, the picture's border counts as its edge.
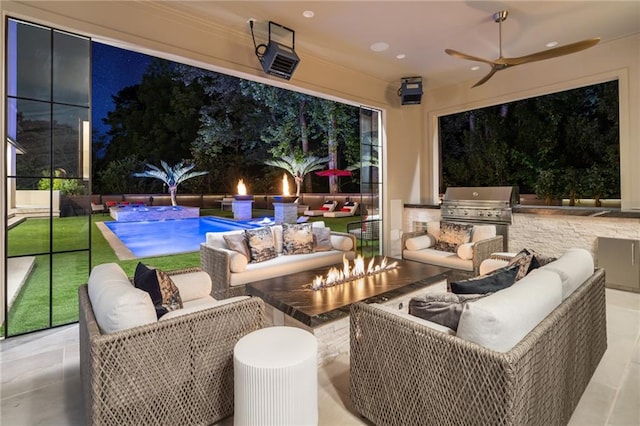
(470, 195)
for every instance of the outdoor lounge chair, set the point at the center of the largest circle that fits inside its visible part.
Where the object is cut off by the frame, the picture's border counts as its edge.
(349, 209)
(328, 206)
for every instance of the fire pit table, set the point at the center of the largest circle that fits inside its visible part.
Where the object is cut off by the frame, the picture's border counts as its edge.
(325, 312)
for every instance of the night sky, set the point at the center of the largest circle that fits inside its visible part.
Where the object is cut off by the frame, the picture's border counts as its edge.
(112, 69)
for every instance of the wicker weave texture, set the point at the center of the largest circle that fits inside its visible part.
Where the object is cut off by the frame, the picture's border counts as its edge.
(216, 263)
(403, 373)
(173, 372)
(481, 250)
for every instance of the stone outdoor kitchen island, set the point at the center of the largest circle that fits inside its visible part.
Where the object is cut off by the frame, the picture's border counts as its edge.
(325, 312)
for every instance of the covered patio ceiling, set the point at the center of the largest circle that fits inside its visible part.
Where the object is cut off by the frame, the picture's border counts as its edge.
(344, 31)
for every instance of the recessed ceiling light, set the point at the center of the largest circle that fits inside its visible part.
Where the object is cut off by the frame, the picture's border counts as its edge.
(475, 68)
(308, 13)
(401, 56)
(552, 44)
(380, 46)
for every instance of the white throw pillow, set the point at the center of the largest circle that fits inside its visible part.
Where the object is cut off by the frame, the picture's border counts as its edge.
(465, 251)
(193, 285)
(501, 320)
(419, 243)
(340, 242)
(482, 232)
(117, 304)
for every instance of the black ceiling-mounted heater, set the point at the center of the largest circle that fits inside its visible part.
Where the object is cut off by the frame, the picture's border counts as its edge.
(278, 59)
(410, 90)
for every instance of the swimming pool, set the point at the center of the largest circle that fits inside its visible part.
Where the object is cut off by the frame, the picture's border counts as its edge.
(164, 237)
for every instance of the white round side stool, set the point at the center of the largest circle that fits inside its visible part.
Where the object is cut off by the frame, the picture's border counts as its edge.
(276, 378)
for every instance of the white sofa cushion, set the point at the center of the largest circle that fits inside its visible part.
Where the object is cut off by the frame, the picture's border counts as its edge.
(482, 232)
(490, 265)
(216, 239)
(420, 242)
(200, 305)
(574, 267)
(117, 304)
(501, 320)
(289, 264)
(439, 258)
(193, 285)
(433, 228)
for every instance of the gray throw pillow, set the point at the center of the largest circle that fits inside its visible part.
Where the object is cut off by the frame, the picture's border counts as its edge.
(322, 239)
(238, 242)
(261, 245)
(441, 308)
(489, 283)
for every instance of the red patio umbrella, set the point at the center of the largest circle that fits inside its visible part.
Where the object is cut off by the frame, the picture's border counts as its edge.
(333, 172)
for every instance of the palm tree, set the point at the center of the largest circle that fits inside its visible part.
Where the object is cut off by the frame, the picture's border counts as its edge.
(298, 167)
(172, 176)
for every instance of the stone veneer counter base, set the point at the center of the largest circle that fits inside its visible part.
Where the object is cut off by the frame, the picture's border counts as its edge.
(325, 312)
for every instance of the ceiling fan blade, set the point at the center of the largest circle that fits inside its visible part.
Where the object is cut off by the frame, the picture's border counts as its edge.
(551, 53)
(484, 79)
(461, 55)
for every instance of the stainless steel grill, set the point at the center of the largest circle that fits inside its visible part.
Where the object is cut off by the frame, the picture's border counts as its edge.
(480, 204)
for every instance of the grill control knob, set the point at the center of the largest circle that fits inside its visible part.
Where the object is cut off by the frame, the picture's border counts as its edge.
(480, 213)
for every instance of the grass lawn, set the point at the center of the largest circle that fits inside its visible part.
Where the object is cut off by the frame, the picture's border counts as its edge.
(70, 267)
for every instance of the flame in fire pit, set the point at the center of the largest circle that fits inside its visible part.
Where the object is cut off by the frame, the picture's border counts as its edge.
(285, 185)
(242, 189)
(348, 273)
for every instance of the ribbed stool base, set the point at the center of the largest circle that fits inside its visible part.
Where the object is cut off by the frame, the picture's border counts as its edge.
(276, 378)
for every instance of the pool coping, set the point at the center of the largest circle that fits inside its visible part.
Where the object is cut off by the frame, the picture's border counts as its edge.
(121, 251)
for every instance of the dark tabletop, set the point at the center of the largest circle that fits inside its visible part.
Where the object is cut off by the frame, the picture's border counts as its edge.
(292, 294)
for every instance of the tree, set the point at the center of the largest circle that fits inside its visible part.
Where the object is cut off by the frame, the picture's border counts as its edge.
(172, 176)
(157, 118)
(298, 167)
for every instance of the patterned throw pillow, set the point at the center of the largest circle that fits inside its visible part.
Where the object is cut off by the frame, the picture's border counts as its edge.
(321, 238)
(261, 245)
(528, 260)
(297, 238)
(161, 288)
(441, 308)
(452, 235)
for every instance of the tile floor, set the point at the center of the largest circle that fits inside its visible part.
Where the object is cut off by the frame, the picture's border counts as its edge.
(40, 379)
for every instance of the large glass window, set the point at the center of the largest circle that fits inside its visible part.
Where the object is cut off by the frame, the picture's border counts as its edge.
(48, 176)
(561, 146)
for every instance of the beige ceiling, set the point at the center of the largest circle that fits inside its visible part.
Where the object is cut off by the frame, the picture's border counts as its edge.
(343, 31)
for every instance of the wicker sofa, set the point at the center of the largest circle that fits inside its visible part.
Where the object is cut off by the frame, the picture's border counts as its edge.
(228, 281)
(418, 246)
(404, 371)
(177, 371)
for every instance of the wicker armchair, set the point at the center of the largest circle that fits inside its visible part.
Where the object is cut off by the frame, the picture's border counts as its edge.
(481, 250)
(173, 372)
(405, 373)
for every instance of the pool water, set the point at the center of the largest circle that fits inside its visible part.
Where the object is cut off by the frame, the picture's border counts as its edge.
(164, 237)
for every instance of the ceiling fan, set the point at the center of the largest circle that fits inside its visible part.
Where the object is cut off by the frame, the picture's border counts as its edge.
(502, 63)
